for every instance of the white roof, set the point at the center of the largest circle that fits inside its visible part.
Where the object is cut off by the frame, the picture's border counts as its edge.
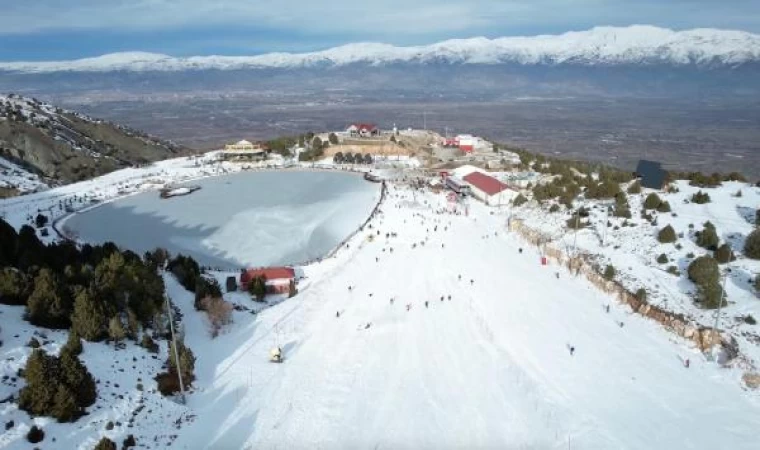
(244, 142)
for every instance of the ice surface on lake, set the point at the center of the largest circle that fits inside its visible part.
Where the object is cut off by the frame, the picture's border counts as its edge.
(260, 218)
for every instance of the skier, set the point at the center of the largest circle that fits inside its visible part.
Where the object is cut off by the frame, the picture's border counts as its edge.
(572, 350)
(520, 250)
(337, 314)
(442, 298)
(472, 281)
(426, 303)
(449, 297)
(686, 363)
(557, 274)
(408, 306)
(460, 277)
(608, 309)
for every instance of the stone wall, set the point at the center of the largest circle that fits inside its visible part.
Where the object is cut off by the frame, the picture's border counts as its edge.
(705, 338)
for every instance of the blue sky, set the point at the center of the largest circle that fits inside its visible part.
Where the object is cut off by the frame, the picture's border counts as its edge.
(33, 30)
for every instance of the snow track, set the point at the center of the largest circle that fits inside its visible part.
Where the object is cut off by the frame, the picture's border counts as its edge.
(489, 368)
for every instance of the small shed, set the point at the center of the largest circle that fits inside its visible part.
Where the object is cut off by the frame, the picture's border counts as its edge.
(651, 174)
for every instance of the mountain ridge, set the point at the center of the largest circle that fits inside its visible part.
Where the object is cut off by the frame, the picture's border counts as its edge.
(635, 44)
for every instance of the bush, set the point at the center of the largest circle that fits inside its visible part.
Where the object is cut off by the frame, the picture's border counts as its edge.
(519, 200)
(148, 344)
(14, 286)
(673, 270)
(635, 188)
(652, 201)
(129, 442)
(752, 245)
(205, 287)
(662, 259)
(749, 320)
(554, 208)
(219, 313)
(704, 271)
(73, 344)
(708, 237)
(33, 343)
(609, 272)
(105, 444)
(700, 198)
(35, 435)
(664, 207)
(667, 235)
(724, 254)
(710, 296)
(757, 283)
(57, 387)
(641, 295)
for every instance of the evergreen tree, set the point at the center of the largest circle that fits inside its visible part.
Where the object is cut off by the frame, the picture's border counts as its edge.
(635, 188)
(105, 444)
(47, 306)
(752, 245)
(724, 254)
(186, 362)
(609, 272)
(89, 317)
(73, 344)
(333, 138)
(704, 271)
(14, 286)
(64, 406)
(116, 330)
(38, 396)
(78, 379)
(258, 287)
(652, 201)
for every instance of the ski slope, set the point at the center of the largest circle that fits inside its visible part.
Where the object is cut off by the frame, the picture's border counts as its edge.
(490, 368)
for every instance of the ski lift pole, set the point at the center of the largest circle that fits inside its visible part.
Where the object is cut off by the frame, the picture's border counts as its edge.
(176, 351)
(720, 303)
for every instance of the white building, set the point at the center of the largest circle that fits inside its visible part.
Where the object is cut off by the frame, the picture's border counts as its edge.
(489, 190)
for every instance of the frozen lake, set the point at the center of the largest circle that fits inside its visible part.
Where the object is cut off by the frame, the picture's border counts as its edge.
(245, 219)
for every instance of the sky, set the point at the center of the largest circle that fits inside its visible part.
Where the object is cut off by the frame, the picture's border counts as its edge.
(35, 30)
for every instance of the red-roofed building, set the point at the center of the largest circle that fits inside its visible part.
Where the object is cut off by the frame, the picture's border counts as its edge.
(362, 130)
(278, 279)
(488, 189)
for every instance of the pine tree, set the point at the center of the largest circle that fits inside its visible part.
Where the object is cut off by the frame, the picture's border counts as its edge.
(14, 286)
(105, 444)
(752, 245)
(89, 317)
(38, 396)
(73, 344)
(64, 408)
(47, 306)
(186, 362)
(116, 330)
(78, 379)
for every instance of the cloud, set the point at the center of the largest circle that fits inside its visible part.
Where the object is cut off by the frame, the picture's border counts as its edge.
(418, 17)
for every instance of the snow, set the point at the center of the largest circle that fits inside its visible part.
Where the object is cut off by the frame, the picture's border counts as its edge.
(14, 177)
(490, 368)
(636, 44)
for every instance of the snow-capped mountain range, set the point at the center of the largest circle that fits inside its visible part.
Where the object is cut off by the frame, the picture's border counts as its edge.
(638, 44)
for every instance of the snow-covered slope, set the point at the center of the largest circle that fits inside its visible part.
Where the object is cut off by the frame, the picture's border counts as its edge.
(638, 44)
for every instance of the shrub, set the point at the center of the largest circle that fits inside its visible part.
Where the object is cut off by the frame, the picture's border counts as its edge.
(710, 296)
(662, 259)
(609, 272)
(704, 271)
(89, 317)
(700, 198)
(33, 343)
(48, 305)
(652, 201)
(554, 208)
(73, 344)
(752, 245)
(664, 207)
(641, 295)
(116, 331)
(724, 254)
(58, 387)
(748, 319)
(667, 235)
(257, 287)
(35, 435)
(205, 287)
(219, 313)
(757, 283)
(708, 237)
(673, 270)
(635, 188)
(14, 286)
(105, 444)
(148, 344)
(519, 200)
(128, 442)
(622, 210)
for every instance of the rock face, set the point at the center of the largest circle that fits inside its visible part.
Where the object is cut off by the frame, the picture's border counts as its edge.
(751, 380)
(64, 146)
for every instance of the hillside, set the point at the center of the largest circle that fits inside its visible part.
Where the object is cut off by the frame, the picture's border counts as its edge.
(59, 146)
